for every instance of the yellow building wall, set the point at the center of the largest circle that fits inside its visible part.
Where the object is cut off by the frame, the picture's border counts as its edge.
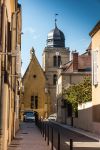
(10, 123)
(35, 87)
(96, 89)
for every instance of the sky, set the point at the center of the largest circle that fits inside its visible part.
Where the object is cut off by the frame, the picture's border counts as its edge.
(76, 19)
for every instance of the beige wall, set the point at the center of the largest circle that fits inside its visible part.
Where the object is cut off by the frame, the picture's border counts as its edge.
(9, 87)
(84, 120)
(35, 87)
(96, 89)
(64, 81)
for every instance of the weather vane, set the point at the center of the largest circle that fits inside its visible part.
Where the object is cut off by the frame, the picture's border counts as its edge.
(56, 19)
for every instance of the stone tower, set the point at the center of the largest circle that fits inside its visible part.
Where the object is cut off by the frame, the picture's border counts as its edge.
(54, 55)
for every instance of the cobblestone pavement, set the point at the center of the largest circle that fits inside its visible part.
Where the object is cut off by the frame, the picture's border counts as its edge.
(28, 138)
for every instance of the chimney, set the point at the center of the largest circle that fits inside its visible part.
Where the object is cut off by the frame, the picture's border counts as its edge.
(75, 60)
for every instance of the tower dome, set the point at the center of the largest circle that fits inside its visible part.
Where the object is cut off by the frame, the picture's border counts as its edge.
(56, 38)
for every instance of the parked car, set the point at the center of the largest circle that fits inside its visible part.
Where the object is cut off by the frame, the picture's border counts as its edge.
(53, 117)
(29, 116)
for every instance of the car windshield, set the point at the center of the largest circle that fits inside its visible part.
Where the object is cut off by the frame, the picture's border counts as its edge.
(31, 114)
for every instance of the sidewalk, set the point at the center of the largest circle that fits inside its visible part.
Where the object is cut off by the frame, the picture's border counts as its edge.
(80, 131)
(28, 138)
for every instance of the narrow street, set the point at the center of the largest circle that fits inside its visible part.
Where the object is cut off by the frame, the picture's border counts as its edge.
(28, 138)
(50, 75)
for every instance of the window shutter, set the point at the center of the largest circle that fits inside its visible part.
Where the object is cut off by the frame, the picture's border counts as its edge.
(18, 60)
(95, 67)
(36, 102)
(32, 102)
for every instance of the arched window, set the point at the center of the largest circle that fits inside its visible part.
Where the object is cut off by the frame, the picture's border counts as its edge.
(59, 61)
(55, 61)
(54, 79)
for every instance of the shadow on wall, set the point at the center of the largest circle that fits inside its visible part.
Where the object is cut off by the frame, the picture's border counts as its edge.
(88, 118)
(96, 113)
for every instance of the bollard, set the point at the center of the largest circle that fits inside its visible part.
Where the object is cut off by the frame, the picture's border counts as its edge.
(48, 135)
(52, 139)
(43, 128)
(40, 126)
(71, 144)
(45, 131)
(72, 121)
(58, 140)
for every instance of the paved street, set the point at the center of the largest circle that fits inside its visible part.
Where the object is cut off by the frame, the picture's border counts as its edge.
(28, 138)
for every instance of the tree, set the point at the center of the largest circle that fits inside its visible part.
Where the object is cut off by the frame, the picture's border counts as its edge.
(78, 93)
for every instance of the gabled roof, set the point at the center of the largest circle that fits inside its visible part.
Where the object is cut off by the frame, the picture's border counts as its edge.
(33, 57)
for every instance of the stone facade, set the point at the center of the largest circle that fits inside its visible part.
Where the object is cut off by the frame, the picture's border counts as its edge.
(36, 96)
(10, 48)
(72, 72)
(50, 69)
(64, 81)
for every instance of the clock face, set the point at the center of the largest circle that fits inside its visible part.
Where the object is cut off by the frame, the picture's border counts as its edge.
(57, 53)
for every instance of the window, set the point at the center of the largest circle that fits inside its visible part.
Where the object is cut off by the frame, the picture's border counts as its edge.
(34, 76)
(54, 79)
(32, 102)
(36, 102)
(54, 61)
(59, 60)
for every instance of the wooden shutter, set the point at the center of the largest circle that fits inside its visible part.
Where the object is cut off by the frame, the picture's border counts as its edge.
(95, 67)
(36, 102)
(32, 102)
(18, 60)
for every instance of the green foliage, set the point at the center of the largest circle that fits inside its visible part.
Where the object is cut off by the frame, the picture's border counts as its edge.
(79, 93)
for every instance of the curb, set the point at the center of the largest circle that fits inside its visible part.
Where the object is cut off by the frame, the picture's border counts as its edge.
(82, 132)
